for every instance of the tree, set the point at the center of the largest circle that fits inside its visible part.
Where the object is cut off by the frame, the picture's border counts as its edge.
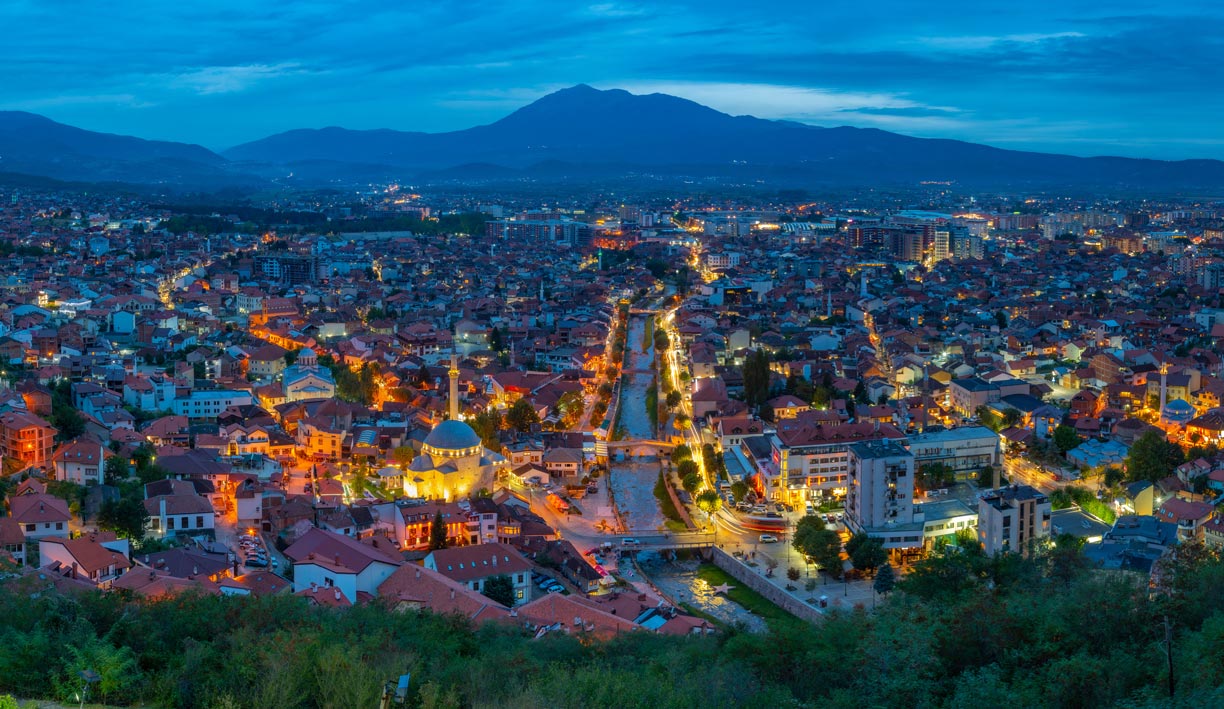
(866, 553)
(569, 408)
(437, 533)
(1114, 476)
(818, 543)
(933, 475)
(687, 468)
(486, 424)
(793, 573)
(681, 453)
(691, 482)
(522, 416)
(125, 517)
(499, 588)
(402, 456)
(1001, 319)
(885, 580)
(860, 393)
(116, 469)
(709, 502)
(1065, 438)
(739, 490)
(756, 379)
(1152, 457)
(673, 399)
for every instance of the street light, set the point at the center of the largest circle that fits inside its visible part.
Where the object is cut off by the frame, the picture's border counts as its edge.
(90, 677)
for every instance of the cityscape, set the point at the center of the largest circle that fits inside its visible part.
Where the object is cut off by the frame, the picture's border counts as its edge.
(615, 399)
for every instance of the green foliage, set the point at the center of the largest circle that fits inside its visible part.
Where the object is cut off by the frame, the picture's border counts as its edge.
(673, 399)
(812, 539)
(866, 553)
(960, 630)
(885, 580)
(125, 517)
(681, 453)
(739, 490)
(500, 588)
(437, 533)
(756, 379)
(666, 506)
(1152, 457)
(1065, 438)
(708, 501)
(989, 418)
(486, 424)
(521, 416)
(1076, 495)
(691, 482)
(933, 475)
(686, 468)
(116, 469)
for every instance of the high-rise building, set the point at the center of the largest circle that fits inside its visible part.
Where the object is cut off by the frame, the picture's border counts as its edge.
(1011, 518)
(881, 488)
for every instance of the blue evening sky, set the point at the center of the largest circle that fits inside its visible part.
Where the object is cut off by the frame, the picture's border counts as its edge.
(1084, 77)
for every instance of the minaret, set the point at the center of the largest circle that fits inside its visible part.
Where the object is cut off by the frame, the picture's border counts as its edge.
(1164, 385)
(863, 282)
(454, 385)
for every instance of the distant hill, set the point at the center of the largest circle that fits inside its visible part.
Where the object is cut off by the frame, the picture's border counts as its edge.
(586, 128)
(34, 145)
(589, 134)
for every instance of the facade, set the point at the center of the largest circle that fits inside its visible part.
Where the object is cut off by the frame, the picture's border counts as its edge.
(170, 515)
(27, 438)
(326, 560)
(85, 558)
(81, 462)
(209, 403)
(475, 564)
(307, 379)
(1012, 518)
(880, 499)
(966, 450)
(811, 462)
(40, 516)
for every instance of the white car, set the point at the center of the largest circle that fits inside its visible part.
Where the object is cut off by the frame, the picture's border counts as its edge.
(767, 538)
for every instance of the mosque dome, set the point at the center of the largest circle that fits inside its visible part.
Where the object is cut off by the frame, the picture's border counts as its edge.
(452, 437)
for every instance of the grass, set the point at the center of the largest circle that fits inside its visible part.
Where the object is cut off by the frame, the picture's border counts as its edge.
(776, 618)
(675, 526)
(648, 335)
(666, 506)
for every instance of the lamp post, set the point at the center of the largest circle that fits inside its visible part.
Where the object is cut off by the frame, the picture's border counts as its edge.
(89, 677)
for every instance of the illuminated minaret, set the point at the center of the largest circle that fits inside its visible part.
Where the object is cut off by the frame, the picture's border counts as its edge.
(863, 282)
(1164, 384)
(454, 385)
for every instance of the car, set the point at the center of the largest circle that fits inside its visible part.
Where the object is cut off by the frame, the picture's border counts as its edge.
(555, 589)
(591, 490)
(257, 563)
(839, 516)
(630, 542)
(767, 539)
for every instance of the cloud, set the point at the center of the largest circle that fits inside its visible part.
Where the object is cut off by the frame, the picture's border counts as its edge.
(231, 79)
(987, 41)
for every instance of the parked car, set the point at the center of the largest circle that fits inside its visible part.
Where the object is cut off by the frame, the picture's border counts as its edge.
(767, 538)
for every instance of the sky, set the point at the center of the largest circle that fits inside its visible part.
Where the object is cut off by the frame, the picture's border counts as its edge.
(1105, 77)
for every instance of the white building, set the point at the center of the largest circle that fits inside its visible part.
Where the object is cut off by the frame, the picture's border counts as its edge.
(209, 403)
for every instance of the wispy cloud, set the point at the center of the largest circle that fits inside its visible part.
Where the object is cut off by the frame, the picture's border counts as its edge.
(988, 41)
(231, 79)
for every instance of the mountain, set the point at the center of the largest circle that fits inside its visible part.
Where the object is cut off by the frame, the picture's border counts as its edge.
(661, 134)
(582, 133)
(34, 145)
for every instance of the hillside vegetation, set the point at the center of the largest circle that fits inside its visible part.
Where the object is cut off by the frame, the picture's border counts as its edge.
(961, 631)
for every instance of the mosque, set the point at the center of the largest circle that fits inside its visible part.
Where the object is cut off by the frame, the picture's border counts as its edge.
(453, 462)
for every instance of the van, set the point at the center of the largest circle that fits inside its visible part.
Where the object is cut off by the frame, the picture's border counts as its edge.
(630, 542)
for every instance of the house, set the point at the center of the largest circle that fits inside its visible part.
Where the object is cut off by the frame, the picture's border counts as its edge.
(26, 438)
(412, 587)
(475, 564)
(180, 513)
(327, 560)
(12, 540)
(96, 557)
(1189, 516)
(40, 515)
(81, 461)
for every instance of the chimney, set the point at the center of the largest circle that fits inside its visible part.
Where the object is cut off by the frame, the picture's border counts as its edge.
(161, 507)
(74, 569)
(495, 559)
(314, 586)
(337, 559)
(418, 572)
(337, 594)
(452, 594)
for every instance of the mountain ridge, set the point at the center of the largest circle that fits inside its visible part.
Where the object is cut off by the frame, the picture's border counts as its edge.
(611, 132)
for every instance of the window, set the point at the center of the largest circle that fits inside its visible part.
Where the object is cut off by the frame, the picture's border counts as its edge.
(200, 522)
(59, 525)
(518, 593)
(520, 578)
(31, 527)
(329, 581)
(185, 524)
(169, 523)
